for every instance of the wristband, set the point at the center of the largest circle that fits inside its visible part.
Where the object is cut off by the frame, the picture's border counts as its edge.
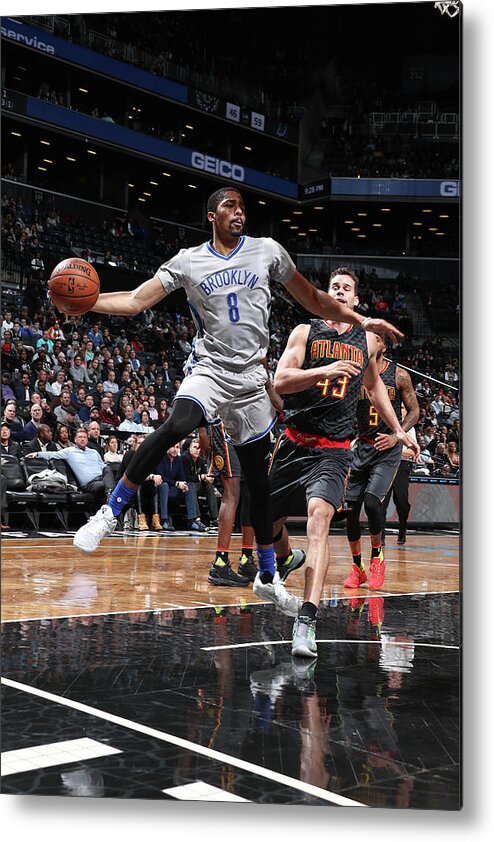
(363, 324)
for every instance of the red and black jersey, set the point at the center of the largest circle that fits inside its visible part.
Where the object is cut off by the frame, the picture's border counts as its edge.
(328, 409)
(368, 421)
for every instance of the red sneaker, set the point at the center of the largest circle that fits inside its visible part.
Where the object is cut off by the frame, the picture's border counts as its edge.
(377, 569)
(356, 577)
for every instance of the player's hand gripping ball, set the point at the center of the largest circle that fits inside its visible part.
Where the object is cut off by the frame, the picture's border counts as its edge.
(74, 286)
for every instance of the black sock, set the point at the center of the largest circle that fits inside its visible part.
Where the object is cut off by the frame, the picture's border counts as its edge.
(376, 551)
(266, 577)
(222, 557)
(247, 551)
(357, 560)
(308, 610)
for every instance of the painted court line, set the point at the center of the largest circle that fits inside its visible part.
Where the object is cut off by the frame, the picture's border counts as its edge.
(219, 756)
(200, 791)
(53, 754)
(256, 643)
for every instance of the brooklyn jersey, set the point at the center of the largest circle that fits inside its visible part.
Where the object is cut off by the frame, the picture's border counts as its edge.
(229, 297)
(328, 408)
(369, 423)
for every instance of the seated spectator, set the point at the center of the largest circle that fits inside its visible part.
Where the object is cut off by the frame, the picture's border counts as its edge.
(170, 480)
(43, 441)
(146, 426)
(453, 456)
(107, 416)
(163, 411)
(10, 417)
(112, 453)
(8, 447)
(23, 390)
(94, 437)
(84, 411)
(128, 424)
(7, 390)
(424, 464)
(110, 384)
(198, 479)
(440, 458)
(66, 408)
(78, 371)
(92, 474)
(63, 437)
(31, 429)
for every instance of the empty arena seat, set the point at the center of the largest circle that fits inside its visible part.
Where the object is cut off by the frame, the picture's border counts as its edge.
(19, 501)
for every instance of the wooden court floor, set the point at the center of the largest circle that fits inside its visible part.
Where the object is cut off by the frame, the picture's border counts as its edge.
(43, 577)
(125, 674)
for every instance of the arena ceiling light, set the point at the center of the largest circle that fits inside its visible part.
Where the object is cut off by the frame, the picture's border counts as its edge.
(432, 229)
(362, 214)
(302, 234)
(47, 161)
(45, 142)
(192, 186)
(130, 185)
(145, 194)
(348, 221)
(248, 148)
(354, 229)
(444, 216)
(261, 202)
(16, 134)
(167, 174)
(83, 90)
(154, 183)
(140, 199)
(426, 210)
(293, 227)
(318, 207)
(362, 236)
(439, 233)
(43, 169)
(313, 230)
(68, 158)
(91, 152)
(189, 127)
(286, 220)
(386, 210)
(417, 223)
(377, 225)
(297, 213)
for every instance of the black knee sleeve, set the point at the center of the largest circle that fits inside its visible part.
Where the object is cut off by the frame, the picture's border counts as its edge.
(253, 459)
(374, 512)
(353, 530)
(185, 417)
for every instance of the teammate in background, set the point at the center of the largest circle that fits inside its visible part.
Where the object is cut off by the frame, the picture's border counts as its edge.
(399, 489)
(227, 281)
(320, 375)
(224, 462)
(375, 462)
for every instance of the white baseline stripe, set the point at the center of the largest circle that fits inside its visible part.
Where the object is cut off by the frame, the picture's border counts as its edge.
(322, 640)
(173, 607)
(316, 791)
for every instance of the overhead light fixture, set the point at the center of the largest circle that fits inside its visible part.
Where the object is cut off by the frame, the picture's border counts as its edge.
(348, 221)
(130, 184)
(318, 207)
(386, 210)
(189, 127)
(444, 216)
(145, 194)
(167, 174)
(91, 152)
(84, 90)
(426, 210)
(286, 220)
(362, 236)
(313, 230)
(377, 225)
(302, 234)
(354, 229)
(47, 161)
(45, 142)
(261, 202)
(154, 183)
(193, 186)
(43, 169)
(68, 158)
(439, 233)
(16, 134)
(140, 199)
(432, 229)
(130, 117)
(362, 214)
(297, 213)
(293, 227)
(248, 148)
(417, 223)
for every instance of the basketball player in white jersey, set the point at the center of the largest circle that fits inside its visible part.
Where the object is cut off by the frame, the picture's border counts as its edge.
(227, 282)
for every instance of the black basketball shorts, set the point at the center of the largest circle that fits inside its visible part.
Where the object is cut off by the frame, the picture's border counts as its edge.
(372, 471)
(298, 474)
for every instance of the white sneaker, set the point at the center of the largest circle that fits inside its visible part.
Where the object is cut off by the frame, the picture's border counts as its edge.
(89, 536)
(276, 592)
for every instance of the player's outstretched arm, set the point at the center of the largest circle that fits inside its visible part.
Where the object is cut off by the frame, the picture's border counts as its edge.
(378, 396)
(321, 304)
(130, 303)
(290, 377)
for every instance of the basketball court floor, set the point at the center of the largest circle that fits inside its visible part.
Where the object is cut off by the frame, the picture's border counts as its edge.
(126, 674)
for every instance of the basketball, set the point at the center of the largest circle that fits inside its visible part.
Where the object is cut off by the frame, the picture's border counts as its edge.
(74, 286)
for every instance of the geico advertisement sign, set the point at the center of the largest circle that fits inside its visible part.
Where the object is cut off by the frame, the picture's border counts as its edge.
(217, 167)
